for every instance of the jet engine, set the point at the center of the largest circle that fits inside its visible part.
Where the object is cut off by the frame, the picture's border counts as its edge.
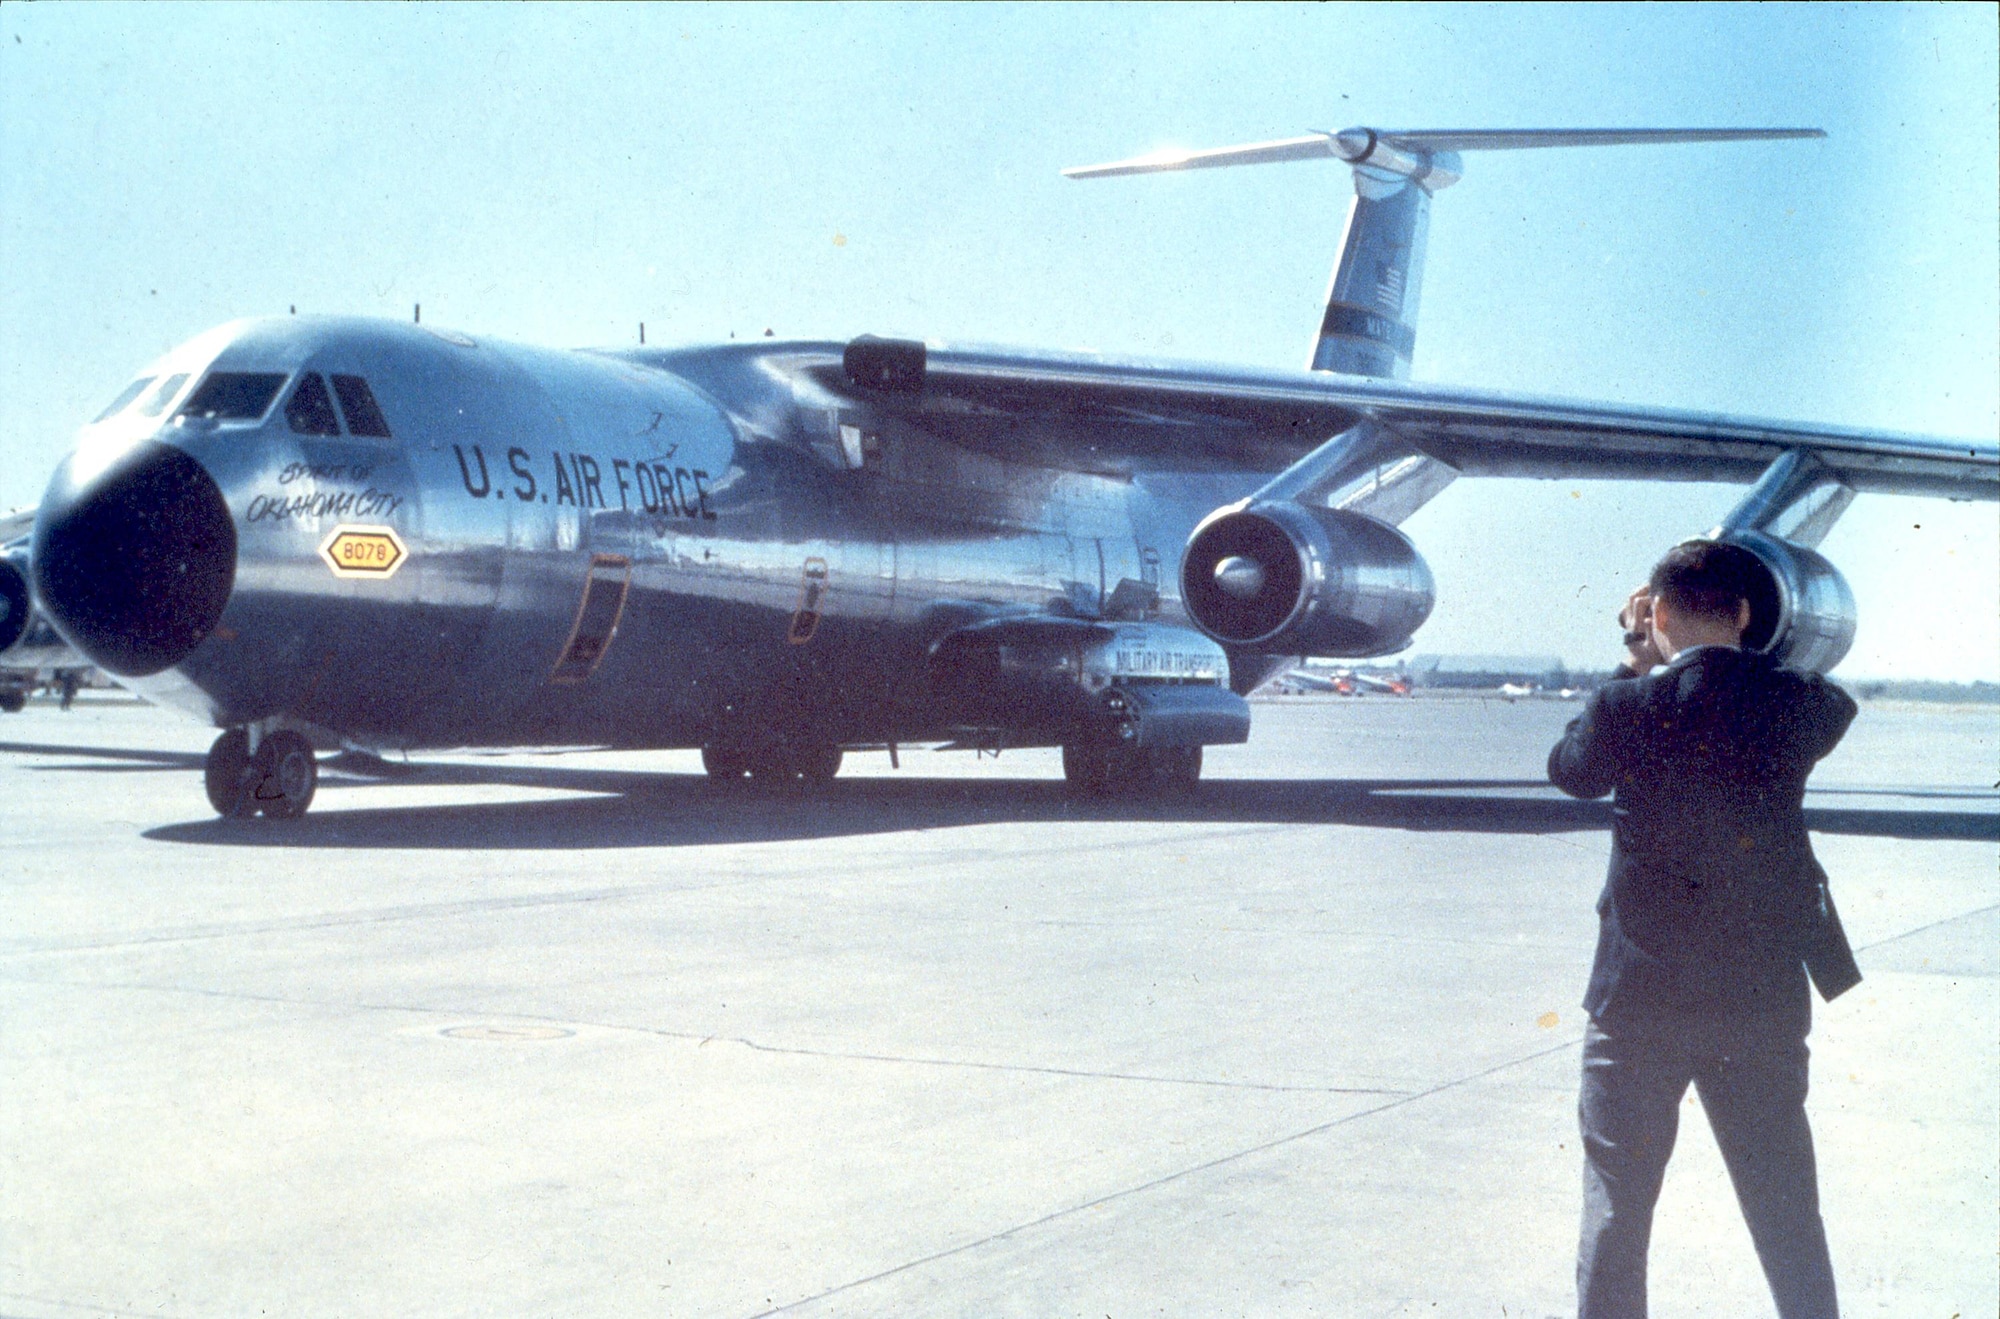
(1285, 578)
(1803, 612)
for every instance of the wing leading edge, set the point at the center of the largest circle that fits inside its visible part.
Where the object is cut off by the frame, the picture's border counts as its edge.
(1475, 432)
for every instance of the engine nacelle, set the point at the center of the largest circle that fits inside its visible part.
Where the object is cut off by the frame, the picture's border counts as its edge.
(1803, 612)
(1289, 579)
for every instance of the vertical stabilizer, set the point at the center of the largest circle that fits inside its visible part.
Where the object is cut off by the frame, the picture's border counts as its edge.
(1369, 327)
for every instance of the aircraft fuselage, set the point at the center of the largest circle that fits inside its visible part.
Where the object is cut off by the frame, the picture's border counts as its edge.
(553, 548)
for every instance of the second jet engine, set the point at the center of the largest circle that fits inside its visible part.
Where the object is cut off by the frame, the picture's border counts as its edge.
(1802, 613)
(1288, 579)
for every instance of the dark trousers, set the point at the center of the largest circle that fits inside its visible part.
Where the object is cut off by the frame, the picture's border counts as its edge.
(1752, 1081)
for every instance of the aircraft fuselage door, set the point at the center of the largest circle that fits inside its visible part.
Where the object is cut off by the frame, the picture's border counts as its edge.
(597, 617)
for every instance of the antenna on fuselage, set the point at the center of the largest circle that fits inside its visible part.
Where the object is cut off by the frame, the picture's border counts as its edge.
(1369, 327)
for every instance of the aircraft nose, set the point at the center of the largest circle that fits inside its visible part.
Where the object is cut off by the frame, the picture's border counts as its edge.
(135, 562)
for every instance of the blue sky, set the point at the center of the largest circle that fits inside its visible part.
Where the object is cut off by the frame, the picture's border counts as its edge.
(558, 174)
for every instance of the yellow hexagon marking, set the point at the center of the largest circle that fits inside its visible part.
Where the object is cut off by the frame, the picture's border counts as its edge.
(374, 552)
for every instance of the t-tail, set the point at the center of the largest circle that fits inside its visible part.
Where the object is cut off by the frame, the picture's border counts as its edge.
(1370, 324)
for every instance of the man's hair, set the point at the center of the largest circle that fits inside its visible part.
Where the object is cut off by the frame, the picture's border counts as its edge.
(1707, 578)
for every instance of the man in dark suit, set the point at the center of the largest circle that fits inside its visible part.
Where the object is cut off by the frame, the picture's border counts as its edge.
(1713, 912)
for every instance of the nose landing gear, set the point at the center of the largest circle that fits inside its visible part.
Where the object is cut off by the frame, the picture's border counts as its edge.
(278, 778)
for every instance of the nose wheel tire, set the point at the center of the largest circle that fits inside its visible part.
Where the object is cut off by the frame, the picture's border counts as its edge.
(291, 776)
(279, 780)
(232, 788)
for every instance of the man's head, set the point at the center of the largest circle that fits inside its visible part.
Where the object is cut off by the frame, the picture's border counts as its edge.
(1701, 594)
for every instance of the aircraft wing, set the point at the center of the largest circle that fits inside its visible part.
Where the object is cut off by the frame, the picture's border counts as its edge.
(1153, 413)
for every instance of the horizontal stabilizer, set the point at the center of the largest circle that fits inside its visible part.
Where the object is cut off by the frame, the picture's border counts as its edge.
(1370, 324)
(1356, 145)
(1518, 139)
(1319, 146)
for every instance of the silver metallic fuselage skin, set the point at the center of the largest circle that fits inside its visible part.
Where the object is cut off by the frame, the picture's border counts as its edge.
(768, 585)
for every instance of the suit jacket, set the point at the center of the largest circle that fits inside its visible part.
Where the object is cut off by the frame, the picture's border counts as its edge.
(1714, 901)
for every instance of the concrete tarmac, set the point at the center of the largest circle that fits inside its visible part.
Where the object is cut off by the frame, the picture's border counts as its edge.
(577, 1034)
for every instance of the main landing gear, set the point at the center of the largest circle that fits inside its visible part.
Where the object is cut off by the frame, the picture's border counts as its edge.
(277, 779)
(1099, 769)
(780, 763)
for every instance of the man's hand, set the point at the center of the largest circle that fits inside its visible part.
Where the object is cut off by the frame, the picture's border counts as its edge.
(1642, 653)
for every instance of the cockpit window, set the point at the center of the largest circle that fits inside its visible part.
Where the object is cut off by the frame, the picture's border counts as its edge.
(234, 396)
(357, 401)
(123, 400)
(311, 408)
(162, 396)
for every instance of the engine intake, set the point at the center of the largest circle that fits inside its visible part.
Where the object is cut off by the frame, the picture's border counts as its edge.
(1803, 614)
(1290, 579)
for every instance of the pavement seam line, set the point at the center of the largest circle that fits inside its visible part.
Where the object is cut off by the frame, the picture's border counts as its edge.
(1166, 1179)
(84, 1306)
(1911, 934)
(831, 1055)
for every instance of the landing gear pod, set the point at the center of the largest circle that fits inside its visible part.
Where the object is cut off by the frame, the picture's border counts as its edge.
(1053, 681)
(1803, 614)
(1131, 704)
(1289, 579)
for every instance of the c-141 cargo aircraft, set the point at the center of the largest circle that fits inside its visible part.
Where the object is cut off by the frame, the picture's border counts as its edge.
(326, 530)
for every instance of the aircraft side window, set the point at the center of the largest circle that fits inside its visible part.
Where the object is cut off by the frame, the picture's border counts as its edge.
(234, 396)
(162, 396)
(124, 399)
(311, 410)
(357, 402)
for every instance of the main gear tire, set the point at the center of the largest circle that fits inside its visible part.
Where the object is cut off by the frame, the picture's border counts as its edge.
(724, 763)
(1174, 769)
(795, 764)
(817, 763)
(1103, 769)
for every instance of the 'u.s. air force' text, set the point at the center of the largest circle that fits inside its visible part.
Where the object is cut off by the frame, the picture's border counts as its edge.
(580, 480)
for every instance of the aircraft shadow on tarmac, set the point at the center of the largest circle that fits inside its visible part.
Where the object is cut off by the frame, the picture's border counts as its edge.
(624, 808)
